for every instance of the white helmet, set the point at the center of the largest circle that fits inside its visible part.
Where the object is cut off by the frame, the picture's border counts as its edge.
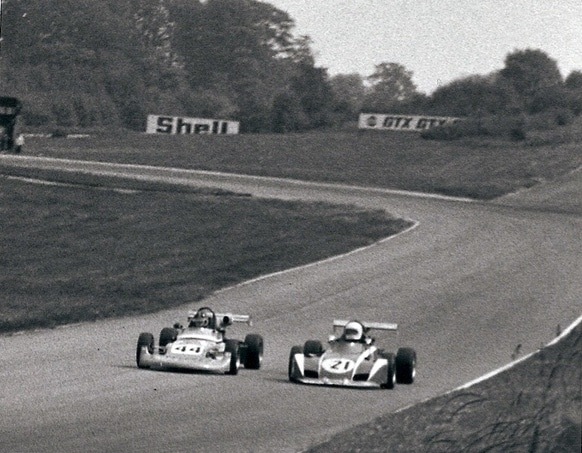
(353, 331)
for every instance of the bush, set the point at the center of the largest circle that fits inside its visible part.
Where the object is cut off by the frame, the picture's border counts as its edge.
(517, 134)
(451, 132)
(501, 126)
(550, 119)
(465, 128)
(564, 117)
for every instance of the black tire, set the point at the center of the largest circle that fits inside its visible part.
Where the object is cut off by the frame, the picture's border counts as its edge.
(253, 356)
(390, 371)
(233, 346)
(405, 365)
(294, 350)
(167, 335)
(147, 340)
(313, 348)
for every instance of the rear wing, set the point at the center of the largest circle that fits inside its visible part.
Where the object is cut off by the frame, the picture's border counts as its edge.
(228, 318)
(368, 325)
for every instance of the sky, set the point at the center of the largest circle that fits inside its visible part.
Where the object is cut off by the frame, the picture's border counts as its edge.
(438, 40)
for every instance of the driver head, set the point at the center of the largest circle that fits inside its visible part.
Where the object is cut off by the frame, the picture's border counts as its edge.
(353, 331)
(202, 318)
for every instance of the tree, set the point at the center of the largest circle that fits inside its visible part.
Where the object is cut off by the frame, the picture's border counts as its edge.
(287, 114)
(348, 90)
(530, 72)
(573, 85)
(474, 95)
(237, 47)
(310, 85)
(85, 63)
(574, 81)
(391, 84)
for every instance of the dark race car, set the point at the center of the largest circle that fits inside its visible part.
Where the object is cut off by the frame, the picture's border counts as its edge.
(201, 345)
(352, 359)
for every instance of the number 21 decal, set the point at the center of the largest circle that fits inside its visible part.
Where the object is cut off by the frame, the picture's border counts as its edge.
(338, 365)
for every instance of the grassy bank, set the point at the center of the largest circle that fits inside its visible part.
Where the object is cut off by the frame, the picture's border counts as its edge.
(478, 168)
(73, 254)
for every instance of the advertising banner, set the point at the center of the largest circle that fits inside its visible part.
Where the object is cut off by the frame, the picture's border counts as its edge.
(160, 124)
(415, 123)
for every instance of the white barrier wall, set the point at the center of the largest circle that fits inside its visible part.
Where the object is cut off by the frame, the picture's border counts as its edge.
(402, 122)
(160, 124)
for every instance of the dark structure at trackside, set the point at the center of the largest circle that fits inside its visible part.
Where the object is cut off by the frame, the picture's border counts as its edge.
(9, 110)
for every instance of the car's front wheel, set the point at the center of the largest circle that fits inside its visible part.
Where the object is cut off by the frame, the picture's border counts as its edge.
(232, 346)
(313, 348)
(405, 365)
(168, 335)
(145, 340)
(390, 381)
(253, 356)
(291, 370)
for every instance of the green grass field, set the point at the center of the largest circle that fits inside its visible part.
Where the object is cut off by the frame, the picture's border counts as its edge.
(72, 254)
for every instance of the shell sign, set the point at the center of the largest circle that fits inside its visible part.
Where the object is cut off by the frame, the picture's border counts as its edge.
(159, 124)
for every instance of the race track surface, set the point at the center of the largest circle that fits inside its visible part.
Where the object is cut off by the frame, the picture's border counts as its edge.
(468, 284)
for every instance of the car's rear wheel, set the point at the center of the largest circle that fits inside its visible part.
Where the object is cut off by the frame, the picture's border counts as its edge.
(294, 351)
(167, 335)
(390, 381)
(232, 346)
(313, 348)
(253, 356)
(405, 365)
(147, 340)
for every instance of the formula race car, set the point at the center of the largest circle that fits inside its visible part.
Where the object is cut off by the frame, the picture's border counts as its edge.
(352, 360)
(201, 345)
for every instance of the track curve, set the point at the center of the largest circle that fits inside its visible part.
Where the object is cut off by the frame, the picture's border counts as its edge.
(467, 285)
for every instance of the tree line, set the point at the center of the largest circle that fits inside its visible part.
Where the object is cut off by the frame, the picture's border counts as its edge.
(83, 64)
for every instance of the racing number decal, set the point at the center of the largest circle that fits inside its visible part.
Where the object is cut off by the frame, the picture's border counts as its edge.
(338, 365)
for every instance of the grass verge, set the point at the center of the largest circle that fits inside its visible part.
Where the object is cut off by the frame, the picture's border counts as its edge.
(77, 253)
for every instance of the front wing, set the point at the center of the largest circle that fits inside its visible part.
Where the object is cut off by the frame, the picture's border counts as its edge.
(220, 364)
(313, 370)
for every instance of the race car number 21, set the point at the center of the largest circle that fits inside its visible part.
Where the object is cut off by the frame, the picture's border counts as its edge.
(338, 365)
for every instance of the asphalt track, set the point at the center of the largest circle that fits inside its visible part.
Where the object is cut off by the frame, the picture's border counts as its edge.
(468, 284)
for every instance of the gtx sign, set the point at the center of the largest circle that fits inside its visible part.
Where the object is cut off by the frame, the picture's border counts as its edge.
(158, 124)
(402, 122)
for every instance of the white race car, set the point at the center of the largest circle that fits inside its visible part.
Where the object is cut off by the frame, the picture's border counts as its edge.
(352, 359)
(201, 345)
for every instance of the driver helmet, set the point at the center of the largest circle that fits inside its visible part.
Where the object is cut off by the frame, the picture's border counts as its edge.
(202, 318)
(353, 331)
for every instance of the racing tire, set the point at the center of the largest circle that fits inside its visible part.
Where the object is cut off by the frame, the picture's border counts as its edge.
(233, 347)
(390, 371)
(147, 340)
(405, 365)
(294, 350)
(167, 335)
(313, 348)
(253, 351)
